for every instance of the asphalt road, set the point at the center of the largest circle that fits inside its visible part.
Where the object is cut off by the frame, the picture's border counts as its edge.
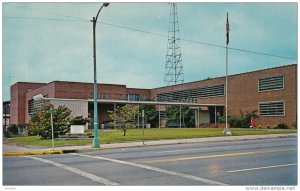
(255, 162)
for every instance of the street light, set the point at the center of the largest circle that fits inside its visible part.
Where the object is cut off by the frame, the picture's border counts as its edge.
(96, 143)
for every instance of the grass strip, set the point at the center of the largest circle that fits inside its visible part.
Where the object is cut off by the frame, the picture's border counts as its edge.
(116, 136)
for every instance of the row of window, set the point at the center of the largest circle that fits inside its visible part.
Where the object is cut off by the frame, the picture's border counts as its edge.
(272, 108)
(201, 92)
(34, 106)
(264, 84)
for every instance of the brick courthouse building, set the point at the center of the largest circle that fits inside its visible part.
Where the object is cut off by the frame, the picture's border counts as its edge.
(272, 92)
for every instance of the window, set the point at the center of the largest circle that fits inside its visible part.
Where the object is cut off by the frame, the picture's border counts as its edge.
(105, 96)
(133, 97)
(201, 92)
(34, 106)
(271, 83)
(274, 108)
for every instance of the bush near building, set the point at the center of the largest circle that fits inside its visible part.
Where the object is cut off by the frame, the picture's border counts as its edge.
(40, 123)
(242, 121)
(79, 120)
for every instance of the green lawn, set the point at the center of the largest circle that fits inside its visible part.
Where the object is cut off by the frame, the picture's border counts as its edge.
(150, 134)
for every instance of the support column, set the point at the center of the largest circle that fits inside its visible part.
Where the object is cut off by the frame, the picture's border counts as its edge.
(180, 117)
(158, 116)
(115, 114)
(215, 115)
(198, 116)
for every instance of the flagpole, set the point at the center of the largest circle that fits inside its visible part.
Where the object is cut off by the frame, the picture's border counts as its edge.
(226, 130)
(226, 104)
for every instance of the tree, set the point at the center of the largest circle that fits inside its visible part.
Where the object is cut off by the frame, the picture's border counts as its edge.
(40, 123)
(173, 113)
(124, 117)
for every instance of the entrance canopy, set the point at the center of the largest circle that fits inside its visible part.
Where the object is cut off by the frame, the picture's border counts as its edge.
(153, 102)
(40, 97)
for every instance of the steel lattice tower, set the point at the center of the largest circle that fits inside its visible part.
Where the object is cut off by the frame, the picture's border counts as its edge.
(173, 66)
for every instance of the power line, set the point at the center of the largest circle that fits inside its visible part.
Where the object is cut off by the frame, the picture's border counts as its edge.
(151, 33)
(48, 19)
(43, 11)
(198, 42)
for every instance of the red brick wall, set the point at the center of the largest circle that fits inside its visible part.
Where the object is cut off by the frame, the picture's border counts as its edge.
(18, 100)
(48, 89)
(243, 93)
(76, 90)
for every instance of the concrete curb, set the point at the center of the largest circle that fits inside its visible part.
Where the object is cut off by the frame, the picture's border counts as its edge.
(33, 153)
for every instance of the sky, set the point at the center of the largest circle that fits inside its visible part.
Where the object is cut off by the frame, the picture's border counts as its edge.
(45, 42)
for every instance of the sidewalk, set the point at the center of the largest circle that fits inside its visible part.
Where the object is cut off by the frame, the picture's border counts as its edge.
(14, 150)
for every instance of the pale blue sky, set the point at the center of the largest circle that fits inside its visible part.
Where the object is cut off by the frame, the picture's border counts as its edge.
(43, 42)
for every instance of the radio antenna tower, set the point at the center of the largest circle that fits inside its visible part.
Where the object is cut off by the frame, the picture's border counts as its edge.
(173, 66)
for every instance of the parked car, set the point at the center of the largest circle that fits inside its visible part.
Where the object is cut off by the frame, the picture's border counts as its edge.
(175, 124)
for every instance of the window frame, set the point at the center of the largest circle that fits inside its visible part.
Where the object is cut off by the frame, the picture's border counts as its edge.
(274, 89)
(270, 102)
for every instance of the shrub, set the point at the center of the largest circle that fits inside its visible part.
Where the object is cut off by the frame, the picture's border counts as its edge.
(282, 126)
(243, 121)
(294, 125)
(79, 120)
(260, 127)
(12, 129)
(233, 121)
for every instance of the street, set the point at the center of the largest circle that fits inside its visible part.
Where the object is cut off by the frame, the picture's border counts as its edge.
(253, 162)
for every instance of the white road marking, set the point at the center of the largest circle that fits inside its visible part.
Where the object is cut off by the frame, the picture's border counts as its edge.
(207, 181)
(264, 167)
(199, 149)
(77, 171)
(213, 148)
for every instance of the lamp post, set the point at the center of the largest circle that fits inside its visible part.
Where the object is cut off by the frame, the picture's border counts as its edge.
(96, 143)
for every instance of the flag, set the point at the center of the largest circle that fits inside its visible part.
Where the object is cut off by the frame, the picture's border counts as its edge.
(227, 30)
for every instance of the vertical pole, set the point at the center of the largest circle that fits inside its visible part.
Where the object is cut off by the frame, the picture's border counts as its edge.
(226, 130)
(198, 117)
(5, 124)
(115, 114)
(195, 114)
(226, 103)
(138, 116)
(158, 116)
(215, 115)
(180, 117)
(143, 115)
(52, 129)
(96, 143)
